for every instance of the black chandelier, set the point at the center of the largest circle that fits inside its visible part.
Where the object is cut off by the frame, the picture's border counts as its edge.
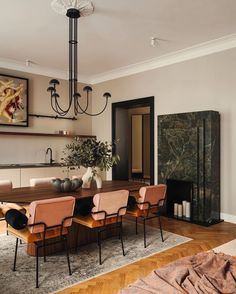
(73, 10)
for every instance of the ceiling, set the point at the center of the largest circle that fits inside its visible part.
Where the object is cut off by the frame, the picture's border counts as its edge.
(116, 35)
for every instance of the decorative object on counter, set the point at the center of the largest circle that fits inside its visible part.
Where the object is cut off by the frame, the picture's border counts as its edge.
(180, 211)
(176, 209)
(64, 132)
(73, 10)
(184, 207)
(91, 154)
(13, 101)
(67, 185)
(188, 210)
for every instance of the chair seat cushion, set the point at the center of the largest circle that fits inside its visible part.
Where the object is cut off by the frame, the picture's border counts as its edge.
(91, 223)
(16, 219)
(28, 237)
(7, 206)
(137, 212)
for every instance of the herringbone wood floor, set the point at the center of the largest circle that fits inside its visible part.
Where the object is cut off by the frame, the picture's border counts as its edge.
(203, 239)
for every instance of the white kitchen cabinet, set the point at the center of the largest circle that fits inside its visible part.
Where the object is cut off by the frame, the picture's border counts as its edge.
(12, 174)
(20, 177)
(41, 172)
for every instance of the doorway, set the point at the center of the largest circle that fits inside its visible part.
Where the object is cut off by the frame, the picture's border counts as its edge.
(133, 131)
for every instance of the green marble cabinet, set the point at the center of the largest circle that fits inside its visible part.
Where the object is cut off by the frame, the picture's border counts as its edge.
(189, 150)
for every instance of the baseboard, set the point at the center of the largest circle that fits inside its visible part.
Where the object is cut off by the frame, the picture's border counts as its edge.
(228, 217)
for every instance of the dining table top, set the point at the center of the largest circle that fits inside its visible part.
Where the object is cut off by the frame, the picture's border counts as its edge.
(26, 195)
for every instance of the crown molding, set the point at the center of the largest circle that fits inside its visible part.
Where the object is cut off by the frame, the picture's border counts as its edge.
(37, 69)
(200, 50)
(203, 49)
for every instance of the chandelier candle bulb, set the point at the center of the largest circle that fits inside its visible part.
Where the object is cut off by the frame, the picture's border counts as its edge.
(188, 209)
(175, 209)
(180, 210)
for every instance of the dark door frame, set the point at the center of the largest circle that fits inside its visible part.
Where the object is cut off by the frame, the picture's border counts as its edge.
(141, 102)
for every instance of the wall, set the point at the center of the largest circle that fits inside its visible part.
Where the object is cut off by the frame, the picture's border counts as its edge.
(25, 149)
(206, 83)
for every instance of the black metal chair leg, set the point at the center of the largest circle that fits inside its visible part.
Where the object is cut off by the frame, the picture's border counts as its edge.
(67, 255)
(160, 228)
(121, 239)
(44, 250)
(136, 226)
(37, 266)
(100, 247)
(21, 241)
(7, 229)
(144, 232)
(14, 266)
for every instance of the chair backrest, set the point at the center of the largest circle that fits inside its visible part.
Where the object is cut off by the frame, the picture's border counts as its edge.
(152, 194)
(5, 185)
(41, 182)
(51, 212)
(110, 202)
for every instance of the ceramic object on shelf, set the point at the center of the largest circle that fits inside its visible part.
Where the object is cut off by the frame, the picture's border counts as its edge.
(66, 185)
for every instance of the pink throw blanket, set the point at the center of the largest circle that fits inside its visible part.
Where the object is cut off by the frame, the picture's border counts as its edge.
(203, 273)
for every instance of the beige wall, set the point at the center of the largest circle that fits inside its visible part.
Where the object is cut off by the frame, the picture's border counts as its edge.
(206, 83)
(23, 149)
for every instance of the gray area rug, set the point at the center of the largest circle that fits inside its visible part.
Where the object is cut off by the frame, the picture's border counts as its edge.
(53, 275)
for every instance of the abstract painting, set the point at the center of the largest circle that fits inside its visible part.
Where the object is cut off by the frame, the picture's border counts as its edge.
(13, 101)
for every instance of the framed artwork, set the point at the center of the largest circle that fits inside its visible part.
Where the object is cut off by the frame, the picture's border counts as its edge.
(13, 101)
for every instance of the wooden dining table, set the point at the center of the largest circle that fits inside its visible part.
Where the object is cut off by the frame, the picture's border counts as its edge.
(26, 195)
(78, 235)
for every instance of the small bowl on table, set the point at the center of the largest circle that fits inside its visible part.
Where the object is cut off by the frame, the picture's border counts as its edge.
(67, 185)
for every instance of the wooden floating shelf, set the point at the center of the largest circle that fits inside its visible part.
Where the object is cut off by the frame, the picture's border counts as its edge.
(45, 135)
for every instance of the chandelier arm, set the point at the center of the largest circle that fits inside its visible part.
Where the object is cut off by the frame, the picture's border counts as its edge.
(82, 110)
(55, 108)
(98, 113)
(77, 109)
(58, 109)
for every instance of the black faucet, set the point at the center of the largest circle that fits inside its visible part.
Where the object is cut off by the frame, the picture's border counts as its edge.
(50, 152)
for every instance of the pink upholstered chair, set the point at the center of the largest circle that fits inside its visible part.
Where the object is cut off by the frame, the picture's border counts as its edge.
(41, 182)
(48, 219)
(151, 200)
(107, 212)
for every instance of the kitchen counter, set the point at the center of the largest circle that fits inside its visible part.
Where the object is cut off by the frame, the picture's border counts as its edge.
(30, 165)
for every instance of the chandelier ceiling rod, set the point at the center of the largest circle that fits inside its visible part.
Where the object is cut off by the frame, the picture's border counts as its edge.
(82, 8)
